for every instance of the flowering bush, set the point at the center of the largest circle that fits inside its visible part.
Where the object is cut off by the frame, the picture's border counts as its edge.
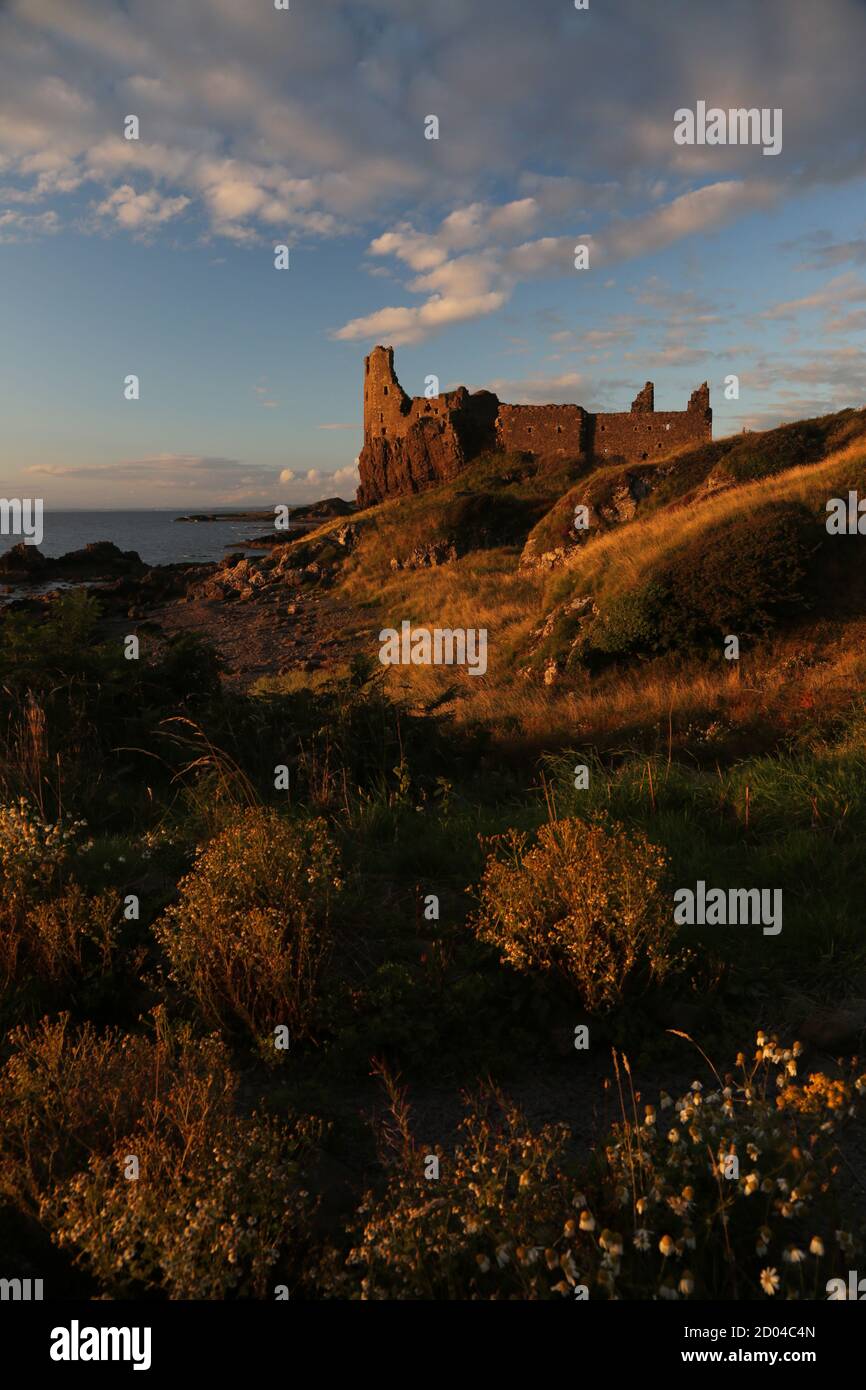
(585, 902)
(218, 1195)
(217, 1199)
(31, 849)
(250, 934)
(726, 1193)
(481, 1231)
(66, 1093)
(51, 933)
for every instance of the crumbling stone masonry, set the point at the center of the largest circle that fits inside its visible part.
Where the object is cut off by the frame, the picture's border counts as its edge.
(410, 443)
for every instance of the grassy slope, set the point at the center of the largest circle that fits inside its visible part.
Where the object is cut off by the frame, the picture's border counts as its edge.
(786, 720)
(486, 587)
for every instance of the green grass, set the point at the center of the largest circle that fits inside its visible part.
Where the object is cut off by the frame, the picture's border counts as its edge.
(794, 821)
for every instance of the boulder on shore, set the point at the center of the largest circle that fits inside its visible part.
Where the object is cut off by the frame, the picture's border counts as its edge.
(99, 560)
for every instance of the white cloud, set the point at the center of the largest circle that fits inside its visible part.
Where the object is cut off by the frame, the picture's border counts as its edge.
(167, 470)
(139, 212)
(402, 325)
(841, 290)
(469, 286)
(199, 476)
(19, 226)
(540, 390)
(248, 114)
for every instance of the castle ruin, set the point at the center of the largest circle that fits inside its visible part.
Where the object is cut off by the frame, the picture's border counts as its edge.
(412, 442)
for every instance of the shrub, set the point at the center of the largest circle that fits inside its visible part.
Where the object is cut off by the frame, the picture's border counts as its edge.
(772, 451)
(250, 933)
(479, 520)
(632, 621)
(47, 942)
(187, 670)
(32, 850)
(33, 652)
(65, 1094)
(216, 1198)
(217, 1194)
(585, 902)
(69, 939)
(743, 576)
(653, 1217)
(502, 1191)
(726, 1193)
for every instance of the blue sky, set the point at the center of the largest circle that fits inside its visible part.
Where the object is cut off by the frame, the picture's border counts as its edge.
(258, 126)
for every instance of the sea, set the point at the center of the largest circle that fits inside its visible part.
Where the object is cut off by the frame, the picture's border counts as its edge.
(157, 535)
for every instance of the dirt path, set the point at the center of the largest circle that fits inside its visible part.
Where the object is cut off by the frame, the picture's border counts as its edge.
(271, 634)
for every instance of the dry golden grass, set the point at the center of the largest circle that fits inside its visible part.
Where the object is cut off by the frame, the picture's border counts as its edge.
(292, 681)
(810, 674)
(623, 557)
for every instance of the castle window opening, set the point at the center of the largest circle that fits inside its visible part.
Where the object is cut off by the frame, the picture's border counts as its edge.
(386, 390)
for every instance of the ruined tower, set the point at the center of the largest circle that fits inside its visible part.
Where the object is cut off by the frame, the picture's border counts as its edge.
(411, 442)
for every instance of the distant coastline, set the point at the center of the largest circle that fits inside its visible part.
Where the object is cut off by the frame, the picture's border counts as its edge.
(227, 516)
(312, 511)
(206, 537)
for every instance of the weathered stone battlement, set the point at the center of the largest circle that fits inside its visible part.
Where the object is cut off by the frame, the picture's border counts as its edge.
(410, 443)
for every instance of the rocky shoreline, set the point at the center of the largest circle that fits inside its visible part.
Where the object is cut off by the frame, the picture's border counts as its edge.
(265, 615)
(124, 581)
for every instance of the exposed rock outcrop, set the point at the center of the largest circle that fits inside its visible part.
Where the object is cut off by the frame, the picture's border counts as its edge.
(427, 556)
(99, 560)
(610, 499)
(411, 444)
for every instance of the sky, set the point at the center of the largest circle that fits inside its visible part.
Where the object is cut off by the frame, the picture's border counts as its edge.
(307, 128)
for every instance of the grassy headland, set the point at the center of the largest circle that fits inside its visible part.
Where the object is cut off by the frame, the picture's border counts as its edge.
(402, 875)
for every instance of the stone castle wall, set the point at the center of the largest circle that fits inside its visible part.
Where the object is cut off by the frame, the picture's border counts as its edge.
(644, 433)
(411, 443)
(543, 429)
